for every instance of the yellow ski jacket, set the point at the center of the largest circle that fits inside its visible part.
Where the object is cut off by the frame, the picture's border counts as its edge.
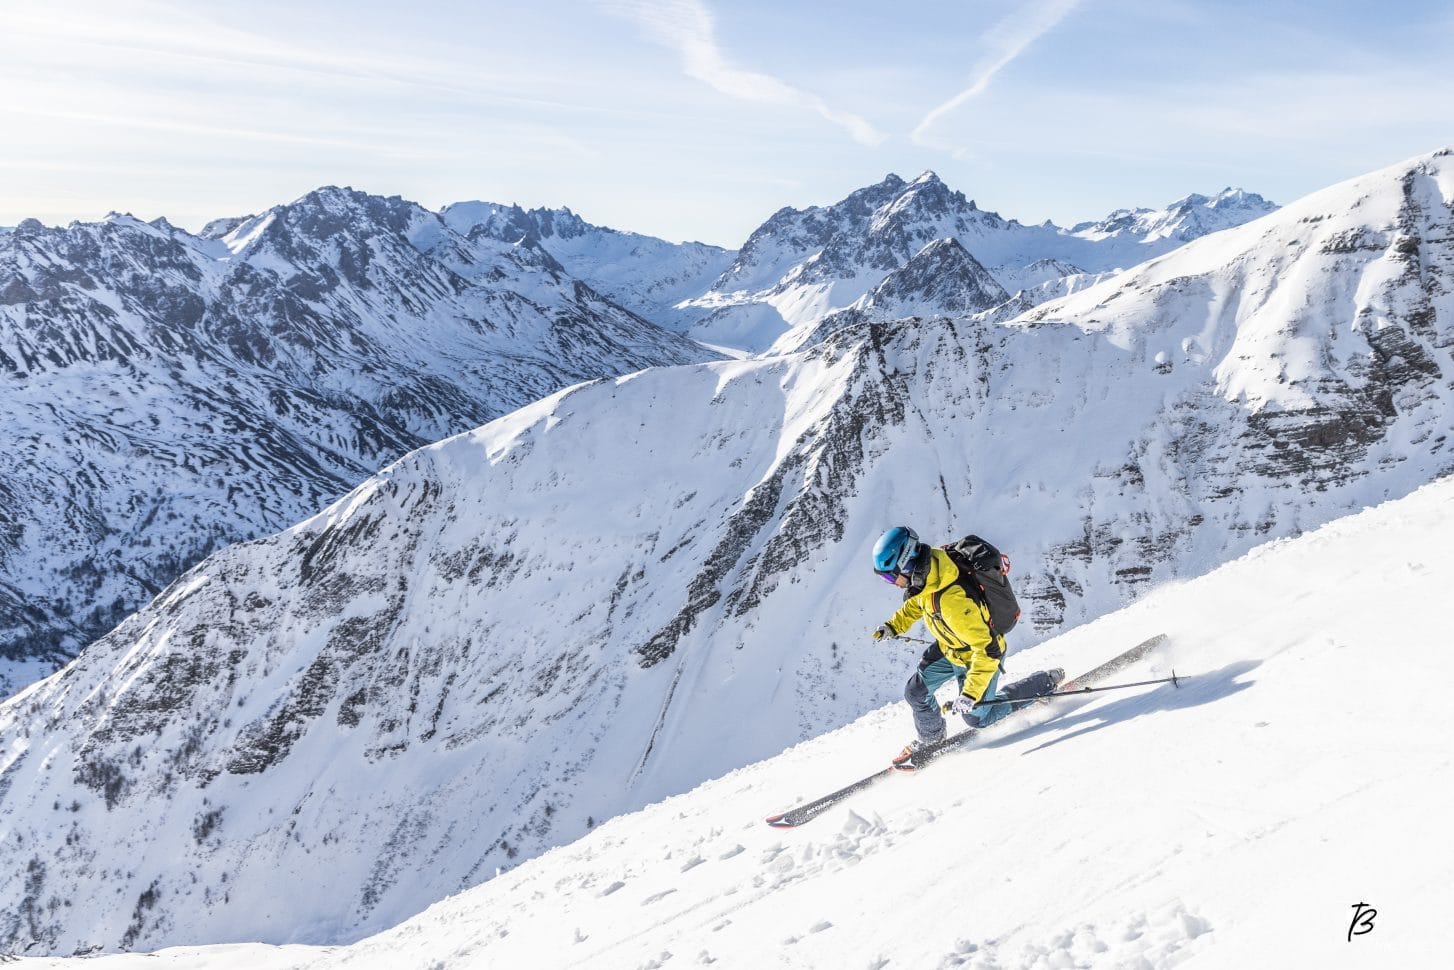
(959, 623)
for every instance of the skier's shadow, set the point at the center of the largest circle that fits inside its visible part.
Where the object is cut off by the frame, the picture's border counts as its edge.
(1195, 690)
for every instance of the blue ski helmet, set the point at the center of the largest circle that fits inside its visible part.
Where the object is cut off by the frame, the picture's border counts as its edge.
(895, 551)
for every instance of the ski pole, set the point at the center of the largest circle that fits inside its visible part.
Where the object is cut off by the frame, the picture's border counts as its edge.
(1173, 679)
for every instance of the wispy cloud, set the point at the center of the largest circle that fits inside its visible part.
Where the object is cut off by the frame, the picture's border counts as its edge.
(687, 27)
(1010, 38)
(174, 42)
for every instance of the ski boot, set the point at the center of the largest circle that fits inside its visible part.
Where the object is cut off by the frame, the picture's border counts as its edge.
(905, 760)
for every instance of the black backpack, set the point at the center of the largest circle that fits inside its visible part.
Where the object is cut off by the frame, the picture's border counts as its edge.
(984, 574)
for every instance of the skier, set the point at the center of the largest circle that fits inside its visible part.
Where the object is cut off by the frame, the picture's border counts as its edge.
(966, 647)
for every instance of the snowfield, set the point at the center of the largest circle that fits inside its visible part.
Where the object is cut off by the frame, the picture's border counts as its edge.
(1301, 771)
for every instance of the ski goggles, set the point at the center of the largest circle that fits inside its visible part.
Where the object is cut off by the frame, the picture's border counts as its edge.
(888, 577)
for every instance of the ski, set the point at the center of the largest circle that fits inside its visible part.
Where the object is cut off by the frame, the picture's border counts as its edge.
(811, 810)
(1113, 666)
(1116, 664)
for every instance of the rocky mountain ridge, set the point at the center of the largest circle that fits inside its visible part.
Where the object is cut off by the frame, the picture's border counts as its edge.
(648, 276)
(1184, 220)
(167, 394)
(803, 265)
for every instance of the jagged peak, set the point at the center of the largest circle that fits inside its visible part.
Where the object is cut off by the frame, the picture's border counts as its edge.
(561, 223)
(1227, 198)
(1054, 263)
(218, 228)
(945, 273)
(927, 197)
(346, 198)
(861, 200)
(516, 221)
(125, 220)
(326, 194)
(1193, 213)
(1187, 202)
(873, 195)
(930, 185)
(331, 211)
(941, 248)
(1238, 196)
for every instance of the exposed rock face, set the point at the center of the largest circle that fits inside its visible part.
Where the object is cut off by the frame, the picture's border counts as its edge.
(166, 394)
(791, 236)
(637, 584)
(941, 279)
(1328, 328)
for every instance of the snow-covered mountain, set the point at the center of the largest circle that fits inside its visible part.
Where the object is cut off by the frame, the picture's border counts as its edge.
(802, 265)
(941, 279)
(648, 276)
(166, 394)
(1234, 821)
(1182, 221)
(638, 584)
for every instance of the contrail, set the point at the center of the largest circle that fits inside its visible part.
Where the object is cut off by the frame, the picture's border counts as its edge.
(1014, 34)
(687, 27)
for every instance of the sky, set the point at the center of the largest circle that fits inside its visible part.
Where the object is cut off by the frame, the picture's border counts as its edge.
(697, 119)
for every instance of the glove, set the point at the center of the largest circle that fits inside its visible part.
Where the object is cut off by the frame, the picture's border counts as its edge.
(963, 705)
(885, 631)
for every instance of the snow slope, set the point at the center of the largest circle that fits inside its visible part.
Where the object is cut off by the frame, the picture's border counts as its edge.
(1302, 768)
(1291, 307)
(562, 616)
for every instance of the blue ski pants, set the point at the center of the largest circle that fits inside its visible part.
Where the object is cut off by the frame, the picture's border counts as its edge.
(919, 692)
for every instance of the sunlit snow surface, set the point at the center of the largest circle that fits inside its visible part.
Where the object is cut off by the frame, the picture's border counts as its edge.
(1302, 768)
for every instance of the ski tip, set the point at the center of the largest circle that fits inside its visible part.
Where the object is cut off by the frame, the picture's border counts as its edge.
(779, 821)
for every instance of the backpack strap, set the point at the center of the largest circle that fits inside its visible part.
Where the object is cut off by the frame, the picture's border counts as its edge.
(972, 589)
